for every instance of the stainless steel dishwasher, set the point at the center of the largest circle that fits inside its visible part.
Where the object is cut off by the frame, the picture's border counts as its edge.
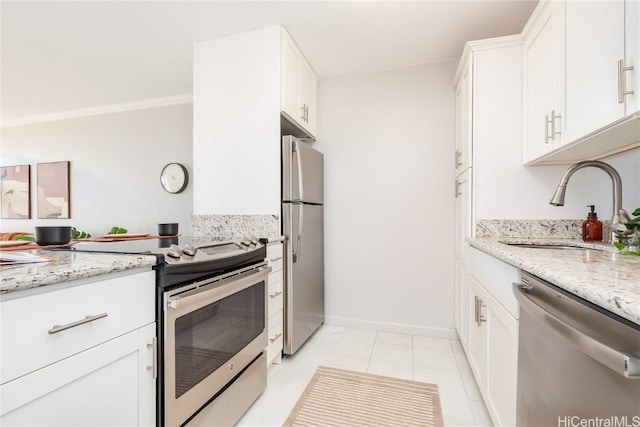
(578, 364)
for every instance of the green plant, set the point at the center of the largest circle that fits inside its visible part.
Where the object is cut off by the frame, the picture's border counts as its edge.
(117, 230)
(26, 237)
(628, 241)
(79, 234)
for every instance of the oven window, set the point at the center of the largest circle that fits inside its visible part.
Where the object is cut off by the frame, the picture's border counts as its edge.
(208, 337)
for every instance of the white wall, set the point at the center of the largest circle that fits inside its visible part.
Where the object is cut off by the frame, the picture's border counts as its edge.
(236, 107)
(388, 141)
(115, 167)
(599, 189)
(503, 187)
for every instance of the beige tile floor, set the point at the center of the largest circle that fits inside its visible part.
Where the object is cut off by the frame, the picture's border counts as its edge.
(433, 360)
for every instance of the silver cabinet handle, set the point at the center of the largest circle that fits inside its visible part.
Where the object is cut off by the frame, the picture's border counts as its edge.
(478, 311)
(275, 294)
(275, 259)
(624, 364)
(553, 124)
(154, 364)
(475, 310)
(274, 339)
(547, 123)
(481, 318)
(458, 192)
(458, 158)
(59, 328)
(302, 111)
(622, 84)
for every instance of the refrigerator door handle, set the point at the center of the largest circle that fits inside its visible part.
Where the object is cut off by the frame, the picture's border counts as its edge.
(296, 149)
(296, 253)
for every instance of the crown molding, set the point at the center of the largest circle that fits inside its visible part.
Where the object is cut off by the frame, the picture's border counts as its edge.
(106, 109)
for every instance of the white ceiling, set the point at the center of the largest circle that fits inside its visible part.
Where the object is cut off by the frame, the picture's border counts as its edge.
(62, 56)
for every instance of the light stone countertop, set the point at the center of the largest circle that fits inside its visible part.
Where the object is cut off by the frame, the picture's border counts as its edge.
(604, 277)
(68, 266)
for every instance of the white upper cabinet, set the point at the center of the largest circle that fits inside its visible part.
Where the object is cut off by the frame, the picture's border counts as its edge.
(581, 80)
(594, 50)
(463, 116)
(544, 81)
(632, 55)
(299, 83)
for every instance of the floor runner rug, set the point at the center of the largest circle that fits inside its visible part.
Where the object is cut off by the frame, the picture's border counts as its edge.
(340, 398)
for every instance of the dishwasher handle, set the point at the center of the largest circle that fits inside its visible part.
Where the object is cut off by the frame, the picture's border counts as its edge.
(624, 364)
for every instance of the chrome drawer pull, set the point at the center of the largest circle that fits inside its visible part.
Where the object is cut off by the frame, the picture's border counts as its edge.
(154, 364)
(275, 294)
(59, 328)
(274, 339)
(275, 259)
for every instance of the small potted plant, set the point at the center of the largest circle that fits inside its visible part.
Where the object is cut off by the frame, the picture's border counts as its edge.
(628, 239)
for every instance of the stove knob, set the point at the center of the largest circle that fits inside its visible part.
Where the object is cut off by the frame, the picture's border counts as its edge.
(254, 240)
(246, 241)
(174, 251)
(190, 250)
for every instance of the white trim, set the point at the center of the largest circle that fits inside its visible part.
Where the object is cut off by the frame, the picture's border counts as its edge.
(398, 328)
(105, 109)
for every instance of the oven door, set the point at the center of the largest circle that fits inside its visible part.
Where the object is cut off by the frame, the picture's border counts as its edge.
(213, 330)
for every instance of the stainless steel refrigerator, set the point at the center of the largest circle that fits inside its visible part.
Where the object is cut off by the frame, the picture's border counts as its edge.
(303, 226)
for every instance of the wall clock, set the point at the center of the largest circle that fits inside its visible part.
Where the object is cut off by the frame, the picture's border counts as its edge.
(174, 178)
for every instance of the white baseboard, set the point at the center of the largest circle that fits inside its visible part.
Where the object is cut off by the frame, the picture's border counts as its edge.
(398, 328)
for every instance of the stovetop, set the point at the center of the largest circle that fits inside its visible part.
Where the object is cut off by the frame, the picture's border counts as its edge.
(177, 250)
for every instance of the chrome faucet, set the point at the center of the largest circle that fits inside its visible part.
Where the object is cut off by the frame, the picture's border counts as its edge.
(620, 216)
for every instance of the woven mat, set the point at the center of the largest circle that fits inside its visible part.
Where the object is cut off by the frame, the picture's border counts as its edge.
(335, 397)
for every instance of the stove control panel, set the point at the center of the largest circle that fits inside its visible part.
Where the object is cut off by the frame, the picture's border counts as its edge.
(206, 251)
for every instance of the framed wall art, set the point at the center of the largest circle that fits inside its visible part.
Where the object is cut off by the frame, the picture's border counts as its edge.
(16, 192)
(54, 190)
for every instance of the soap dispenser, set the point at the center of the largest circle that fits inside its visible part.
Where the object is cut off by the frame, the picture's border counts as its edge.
(592, 227)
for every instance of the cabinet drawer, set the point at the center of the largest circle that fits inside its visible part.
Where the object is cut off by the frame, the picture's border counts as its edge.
(27, 323)
(275, 294)
(275, 256)
(274, 251)
(496, 277)
(276, 340)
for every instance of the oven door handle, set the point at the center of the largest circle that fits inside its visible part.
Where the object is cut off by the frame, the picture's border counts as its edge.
(624, 364)
(206, 294)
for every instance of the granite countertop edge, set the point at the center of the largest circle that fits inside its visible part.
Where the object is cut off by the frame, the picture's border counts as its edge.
(67, 266)
(603, 277)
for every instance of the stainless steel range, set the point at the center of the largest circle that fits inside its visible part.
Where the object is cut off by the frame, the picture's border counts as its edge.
(211, 310)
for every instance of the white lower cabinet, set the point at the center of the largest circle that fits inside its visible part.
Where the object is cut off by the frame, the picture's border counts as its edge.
(275, 303)
(107, 385)
(492, 347)
(83, 354)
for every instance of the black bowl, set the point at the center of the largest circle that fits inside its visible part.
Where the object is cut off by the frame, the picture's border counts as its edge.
(54, 235)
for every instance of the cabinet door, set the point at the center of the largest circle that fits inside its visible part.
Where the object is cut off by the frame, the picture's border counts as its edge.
(464, 117)
(477, 348)
(594, 45)
(632, 55)
(502, 362)
(544, 82)
(289, 102)
(462, 232)
(308, 84)
(107, 385)
(463, 194)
